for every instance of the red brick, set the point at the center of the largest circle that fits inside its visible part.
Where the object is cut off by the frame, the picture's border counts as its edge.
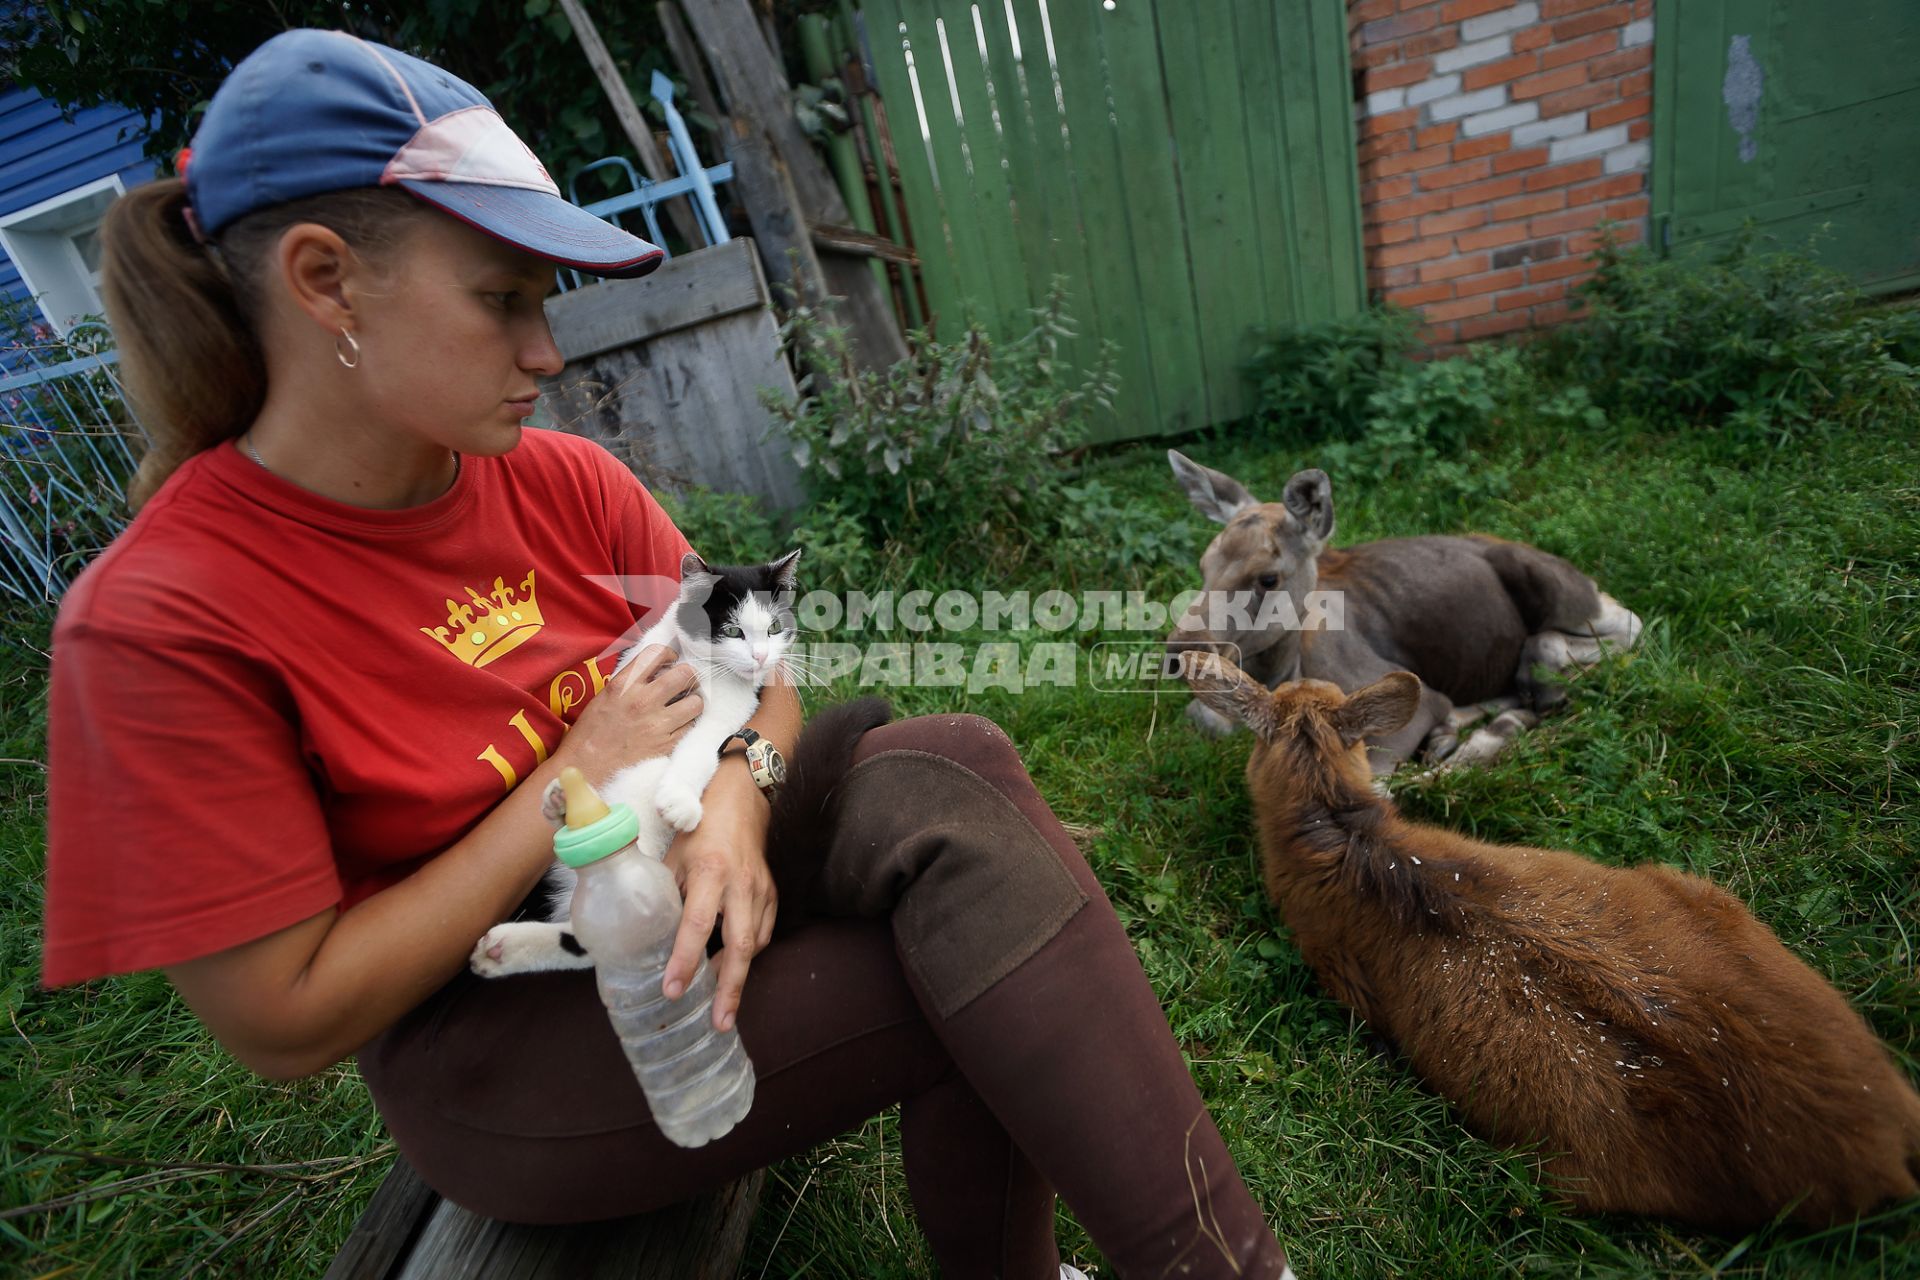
(1459, 9)
(1558, 269)
(1620, 184)
(1385, 189)
(1639, 129)
(1410, 162)
(1432, 42)
(1436, 341)
(1498, 72)
(1643, 8)
(1483, 192)
(1392, 232)
(1387, 144)
(1418, 251)
(1474, 148)
(1412, 206)
(1636, 84)
(1579, 50)
(1533, 297)
(1615, 112)
(1363, 11)
(1470, 264)
(1492, 282)
(1437, 134)
(1562, 8)
(1625, 210)
(1419, 295)
(1562, 174)
(1491, 237)
(1398, 27)
(1392, 77)
(1435, 224)
(1618, 64)
(1378, 55)
(1572, 100)
(1527, 206)
(1549, 82)
(1459, 308)
(1586, 242)
(1392, 277)
(1389, 122)
(1552, 224)
(1488, 326)
(1587, 23)
(1456, 174)
(1527, 158)
(1531, 38)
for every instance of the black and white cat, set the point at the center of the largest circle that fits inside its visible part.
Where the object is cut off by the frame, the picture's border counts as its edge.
(734, 626)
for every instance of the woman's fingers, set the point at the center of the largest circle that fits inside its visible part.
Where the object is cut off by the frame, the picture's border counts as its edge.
(645, 665)
(739, 929)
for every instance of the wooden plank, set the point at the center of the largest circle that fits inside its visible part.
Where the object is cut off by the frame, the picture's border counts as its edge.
(686, 55)
(1321, 159)
(688, 290)
(1261, 88)
(1007, 276)
(703, 1239)
(1208, 120)
(861, 244)
(387, 1228)
(632, 123)
(684, 408)
(1339, 158)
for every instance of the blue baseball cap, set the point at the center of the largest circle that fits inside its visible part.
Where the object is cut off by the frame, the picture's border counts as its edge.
(316, 111)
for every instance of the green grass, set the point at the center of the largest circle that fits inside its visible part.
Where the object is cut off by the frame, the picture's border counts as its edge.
(1764, 733)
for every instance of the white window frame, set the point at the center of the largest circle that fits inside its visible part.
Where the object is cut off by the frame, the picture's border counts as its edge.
(40, 241)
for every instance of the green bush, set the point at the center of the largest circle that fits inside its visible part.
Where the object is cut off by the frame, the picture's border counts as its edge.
(956, 448)
(1316, 381)
(1765, 343)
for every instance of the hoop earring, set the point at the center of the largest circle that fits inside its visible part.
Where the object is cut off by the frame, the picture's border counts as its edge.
(353, 343)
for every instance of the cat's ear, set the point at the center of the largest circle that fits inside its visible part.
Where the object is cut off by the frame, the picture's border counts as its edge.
(784, 569)
(692, 566)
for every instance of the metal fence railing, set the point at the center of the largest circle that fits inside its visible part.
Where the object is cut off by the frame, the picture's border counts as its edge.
(65, 459)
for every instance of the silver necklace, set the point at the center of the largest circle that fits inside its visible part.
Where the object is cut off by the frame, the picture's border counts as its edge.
(254, 453)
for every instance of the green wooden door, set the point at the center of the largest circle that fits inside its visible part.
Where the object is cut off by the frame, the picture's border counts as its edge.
(1799, 116)
(1188, 168)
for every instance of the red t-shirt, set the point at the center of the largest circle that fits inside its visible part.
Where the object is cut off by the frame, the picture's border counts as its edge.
(266, 703)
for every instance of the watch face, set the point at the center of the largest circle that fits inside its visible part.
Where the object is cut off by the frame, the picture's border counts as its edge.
(776, 766)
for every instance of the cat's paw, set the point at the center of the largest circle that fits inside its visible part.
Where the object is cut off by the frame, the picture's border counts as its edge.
(524, 947)
(553, 804)
(679, 805)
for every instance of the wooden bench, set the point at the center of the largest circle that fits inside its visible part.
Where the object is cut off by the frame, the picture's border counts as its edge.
(409, 1233)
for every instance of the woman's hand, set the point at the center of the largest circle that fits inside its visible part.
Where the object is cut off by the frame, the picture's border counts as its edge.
(640, 714)
(722, 869)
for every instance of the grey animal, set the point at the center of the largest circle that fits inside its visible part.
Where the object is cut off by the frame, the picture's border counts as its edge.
(1484, 623)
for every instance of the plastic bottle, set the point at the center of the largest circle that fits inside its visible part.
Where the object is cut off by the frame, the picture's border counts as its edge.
(626, 910)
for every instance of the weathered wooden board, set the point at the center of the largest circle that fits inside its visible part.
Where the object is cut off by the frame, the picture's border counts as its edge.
(409, 1233)
(667, 372)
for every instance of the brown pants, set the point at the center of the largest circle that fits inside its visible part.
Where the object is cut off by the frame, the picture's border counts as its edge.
(969, 969)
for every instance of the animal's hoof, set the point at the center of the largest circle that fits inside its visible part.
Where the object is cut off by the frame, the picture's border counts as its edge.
(1208, 721)
(679, 807)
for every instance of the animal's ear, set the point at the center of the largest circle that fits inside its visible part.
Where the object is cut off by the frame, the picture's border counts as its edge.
(1220, 684)
(692, 566)
(784, 567)
(1214, 494)
(1309, 499)
(1383, 707)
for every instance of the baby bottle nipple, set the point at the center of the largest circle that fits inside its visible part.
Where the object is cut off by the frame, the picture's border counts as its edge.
(584, 805)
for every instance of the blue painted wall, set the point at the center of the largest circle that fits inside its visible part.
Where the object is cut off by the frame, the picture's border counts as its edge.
(42, 155)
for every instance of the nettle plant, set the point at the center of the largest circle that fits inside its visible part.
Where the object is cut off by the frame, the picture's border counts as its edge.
(960, 445)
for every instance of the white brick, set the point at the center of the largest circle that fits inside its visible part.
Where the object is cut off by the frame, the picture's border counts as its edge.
(1639, 32)
(1492, 24)
(1633, 156)
(1384, 100)
(1504, 118)
(1467, 104)
(1547, 130)
(1428, 90)
(1472, 55)
(1587, 144)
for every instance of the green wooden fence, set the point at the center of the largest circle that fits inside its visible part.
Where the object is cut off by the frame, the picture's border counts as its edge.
(1187, 165)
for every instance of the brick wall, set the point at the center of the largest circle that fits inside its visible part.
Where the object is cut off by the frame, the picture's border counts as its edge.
(1494, 137)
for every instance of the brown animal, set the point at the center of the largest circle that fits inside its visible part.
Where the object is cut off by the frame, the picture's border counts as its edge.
(1476, 618)
(1660, 1047)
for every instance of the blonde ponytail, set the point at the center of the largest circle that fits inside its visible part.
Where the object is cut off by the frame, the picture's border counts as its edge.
(186, 317)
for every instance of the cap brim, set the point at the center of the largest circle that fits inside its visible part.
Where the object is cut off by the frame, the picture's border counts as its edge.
(543, 225)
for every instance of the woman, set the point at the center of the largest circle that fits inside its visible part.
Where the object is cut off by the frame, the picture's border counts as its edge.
(304, 707)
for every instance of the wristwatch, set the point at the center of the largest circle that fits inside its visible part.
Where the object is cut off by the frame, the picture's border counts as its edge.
(764, 761)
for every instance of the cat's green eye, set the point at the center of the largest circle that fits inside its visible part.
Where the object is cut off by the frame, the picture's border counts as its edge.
(731, 631)
(775, 627)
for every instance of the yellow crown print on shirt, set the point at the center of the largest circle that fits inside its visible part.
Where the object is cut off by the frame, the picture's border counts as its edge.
(489, 626)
